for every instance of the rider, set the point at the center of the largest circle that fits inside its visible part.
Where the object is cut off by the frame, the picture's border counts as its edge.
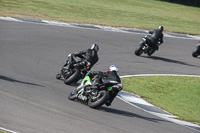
(89, 55)
(100, 77)
(156, 37)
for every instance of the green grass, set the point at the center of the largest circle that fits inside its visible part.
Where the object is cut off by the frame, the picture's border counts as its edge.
(177, 95)
(3, 131)
(142, 14)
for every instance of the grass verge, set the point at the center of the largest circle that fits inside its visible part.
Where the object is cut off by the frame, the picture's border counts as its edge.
(142, 14)
(1, 131)
(179, 96)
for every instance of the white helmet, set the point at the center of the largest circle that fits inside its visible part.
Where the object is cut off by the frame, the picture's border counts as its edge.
(95, 47)
(113, 68)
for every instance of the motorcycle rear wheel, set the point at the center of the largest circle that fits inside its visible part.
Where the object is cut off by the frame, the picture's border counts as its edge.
(104, 96)
(151, 52)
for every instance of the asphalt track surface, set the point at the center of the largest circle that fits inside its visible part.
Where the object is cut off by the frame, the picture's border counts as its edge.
(33, 101)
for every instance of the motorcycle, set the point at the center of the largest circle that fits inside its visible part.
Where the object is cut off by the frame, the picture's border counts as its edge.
(144, 47)
(196, 52)
(96, 96)
(76, 71)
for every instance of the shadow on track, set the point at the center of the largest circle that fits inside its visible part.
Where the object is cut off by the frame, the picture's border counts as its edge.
(72, 84)
(14, 80)
(130, 114)
(169, 60)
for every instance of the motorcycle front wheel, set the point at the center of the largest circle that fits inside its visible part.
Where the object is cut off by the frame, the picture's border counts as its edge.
(99, 100)
(75, 76)
(196, 52)
(72, 95)
(139, 50)
(58, 75)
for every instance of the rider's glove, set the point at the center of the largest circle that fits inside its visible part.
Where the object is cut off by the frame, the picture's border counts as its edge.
(83, 63)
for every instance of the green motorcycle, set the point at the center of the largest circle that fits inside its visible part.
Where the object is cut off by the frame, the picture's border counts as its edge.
(95, 95)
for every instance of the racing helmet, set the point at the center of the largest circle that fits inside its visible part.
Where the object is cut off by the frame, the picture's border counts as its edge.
(95, 47)
(161, 28)
(113, 68)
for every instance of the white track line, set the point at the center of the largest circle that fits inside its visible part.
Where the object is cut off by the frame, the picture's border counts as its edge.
(100, 27)
(10, 131)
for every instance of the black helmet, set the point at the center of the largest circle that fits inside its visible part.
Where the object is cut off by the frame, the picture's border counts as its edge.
(95, 47)
(161, 28)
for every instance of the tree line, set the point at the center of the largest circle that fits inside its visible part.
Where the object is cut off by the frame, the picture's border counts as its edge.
(195, 3)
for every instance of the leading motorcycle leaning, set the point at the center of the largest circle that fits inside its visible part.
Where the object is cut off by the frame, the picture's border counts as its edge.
(77, 70)
(150, 43)
(95, 94)
(78, 64)
(144, 47)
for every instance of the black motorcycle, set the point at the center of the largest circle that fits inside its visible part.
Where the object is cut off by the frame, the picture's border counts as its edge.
(196, 52)
(96, 96)
(144, 47)
(76, 71)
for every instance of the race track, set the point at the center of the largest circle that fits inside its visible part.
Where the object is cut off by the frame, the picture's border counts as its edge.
(33, 101)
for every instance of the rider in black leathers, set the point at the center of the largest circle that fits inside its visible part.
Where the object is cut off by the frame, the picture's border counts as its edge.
(156, 37)
(89, 55)
(100, 77)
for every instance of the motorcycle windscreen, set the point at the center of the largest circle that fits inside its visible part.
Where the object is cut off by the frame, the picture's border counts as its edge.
(86, 80)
